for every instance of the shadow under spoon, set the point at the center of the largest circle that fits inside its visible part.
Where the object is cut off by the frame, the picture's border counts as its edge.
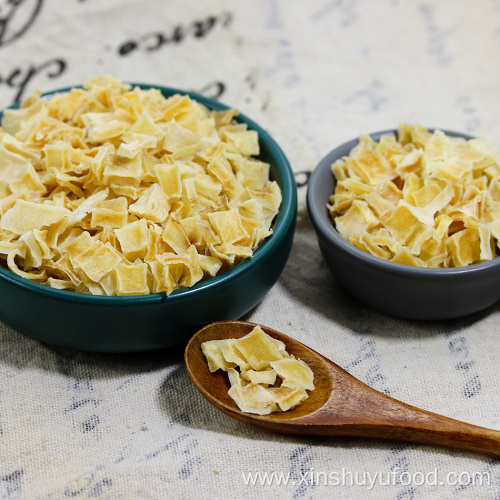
(340, 404)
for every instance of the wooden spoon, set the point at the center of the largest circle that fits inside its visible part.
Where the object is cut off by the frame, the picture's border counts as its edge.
(340, 405)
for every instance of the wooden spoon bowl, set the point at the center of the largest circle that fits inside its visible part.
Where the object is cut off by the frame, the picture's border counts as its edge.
(340, 404)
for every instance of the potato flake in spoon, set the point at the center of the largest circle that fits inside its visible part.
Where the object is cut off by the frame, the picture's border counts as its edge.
(255, 390)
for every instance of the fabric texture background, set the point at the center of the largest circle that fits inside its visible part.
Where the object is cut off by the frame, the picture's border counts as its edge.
(314, 74)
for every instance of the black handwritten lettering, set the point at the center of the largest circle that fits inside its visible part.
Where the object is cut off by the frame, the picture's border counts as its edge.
(399, 463)
(89, 484)
(153, 41)
(13, 482)
(127, 47)
(459, 348)
(368, 357)
(301, 462)
(19, 78)
(213, 90)
(437, 44)
(302, 178)
(185, 446)
(16, 16)
(201, 28)
(178, 35)
(90, 423)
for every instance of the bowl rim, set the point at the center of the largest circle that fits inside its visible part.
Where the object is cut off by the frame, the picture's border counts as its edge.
(321, 220)
(281, 224)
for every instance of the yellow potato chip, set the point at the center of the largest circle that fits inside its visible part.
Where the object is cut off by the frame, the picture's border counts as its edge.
(213, 353)
(25, 216)
(404, 256)
(401, 223)
(288, 397)
(418, 237)
(413, 162)
(28, 181)
(180, 142)
(379, 205)
(110, 213)
(33, 275)
(253, 398)
(244, 141)
(426, 213)
(465, 247)
(145, 126)
(77, 245)
(152, 205)
(267, 377)
(210, 265)
(156, 247)
(372, 167)
(228, 226)
(192, 271)
(235, 379)
(131, 279)
(258, 350)
(104, 126)
(232, 354)
(33, 257)
(97, 260)
(486, 244)
(136, 144)
(64, 268)
(120, 170)
(294, 372)
(134, 239)
(169, 178)
(383, 238)
(220, 169)
(229, 253)
(253, 174)
(175, 235)
(59, 284)
(367, 243)
(358, 219)
(109, 283)
(7, 247)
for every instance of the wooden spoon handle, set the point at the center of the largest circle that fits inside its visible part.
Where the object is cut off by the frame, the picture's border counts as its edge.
(359, 410)
(418, 426)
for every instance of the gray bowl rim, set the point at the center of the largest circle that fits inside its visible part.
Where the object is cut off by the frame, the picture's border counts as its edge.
(285, 217)
(323, 224)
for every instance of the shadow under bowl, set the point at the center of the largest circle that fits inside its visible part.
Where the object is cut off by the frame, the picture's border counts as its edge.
(397, 289)
(140, 323)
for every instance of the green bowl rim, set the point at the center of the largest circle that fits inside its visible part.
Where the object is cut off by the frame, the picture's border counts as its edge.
(285, 217)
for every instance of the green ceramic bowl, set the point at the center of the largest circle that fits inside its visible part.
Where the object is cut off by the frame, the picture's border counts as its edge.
(129, 324)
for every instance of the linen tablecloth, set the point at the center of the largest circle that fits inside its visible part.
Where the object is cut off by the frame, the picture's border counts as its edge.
(314, 74)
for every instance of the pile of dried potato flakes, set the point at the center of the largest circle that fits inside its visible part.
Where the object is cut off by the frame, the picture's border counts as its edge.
(424, 199)
(261, 360)
(114, 190)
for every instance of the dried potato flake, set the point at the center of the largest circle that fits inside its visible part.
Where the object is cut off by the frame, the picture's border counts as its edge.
(421, 199)
(261, 360)
(117, 190)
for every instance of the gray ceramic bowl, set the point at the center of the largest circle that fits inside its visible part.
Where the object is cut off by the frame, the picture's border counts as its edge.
(396, 289)
(139, 323)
